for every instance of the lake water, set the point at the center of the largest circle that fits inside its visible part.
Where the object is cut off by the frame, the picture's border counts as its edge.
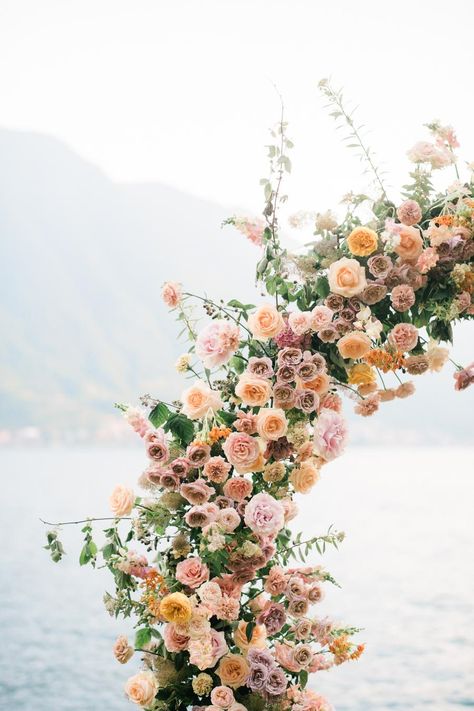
(406, 569)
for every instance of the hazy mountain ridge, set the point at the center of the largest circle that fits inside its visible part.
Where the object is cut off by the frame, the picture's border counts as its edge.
(82, 260)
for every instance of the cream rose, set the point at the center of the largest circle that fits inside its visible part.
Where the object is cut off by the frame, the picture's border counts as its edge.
(271, 423)
(253, 391)
(199, 399)
(121, 501)
(266, 322)
(346, 277)
(142, 688)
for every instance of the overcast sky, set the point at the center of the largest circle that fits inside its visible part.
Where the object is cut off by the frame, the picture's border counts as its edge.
(180, 91)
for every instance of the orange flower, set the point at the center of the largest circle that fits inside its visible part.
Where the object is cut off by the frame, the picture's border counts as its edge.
(362, 241)
(341, 648)
(218, 433)
(358, 651)
(444, 220)
(385, 361)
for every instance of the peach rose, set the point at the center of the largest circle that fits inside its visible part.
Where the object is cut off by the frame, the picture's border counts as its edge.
(258, 639)
(174, 640)
(192, 572)
(171, 293)
(354, 345)
(123, 652)
(304, 477)
(199, 399)
(266, 322)
(142, 688)
(320, 384)
(222, 697)
(237, 488)
(241, 450)
(271, 423)
(346, 277)
(362, 241)
(121, 501)
(233, 670)
(253, 391)
(411, 243)
(177, 608)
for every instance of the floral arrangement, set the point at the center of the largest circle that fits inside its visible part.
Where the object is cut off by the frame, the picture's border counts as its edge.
(204, 559)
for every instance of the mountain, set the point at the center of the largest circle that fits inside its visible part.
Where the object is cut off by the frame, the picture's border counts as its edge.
(82, 260)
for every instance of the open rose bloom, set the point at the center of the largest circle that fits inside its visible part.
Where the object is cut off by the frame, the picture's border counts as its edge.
(201, 552)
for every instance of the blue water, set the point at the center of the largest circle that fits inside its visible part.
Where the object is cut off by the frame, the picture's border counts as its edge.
(406, 570)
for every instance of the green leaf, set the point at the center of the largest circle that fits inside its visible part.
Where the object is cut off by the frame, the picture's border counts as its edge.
(249, 630)
(303, 678)
(142, 637)
(85, 556)
(159, 414)
(181, 426)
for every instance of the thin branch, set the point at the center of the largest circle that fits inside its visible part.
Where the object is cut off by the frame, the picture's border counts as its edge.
(87, 520)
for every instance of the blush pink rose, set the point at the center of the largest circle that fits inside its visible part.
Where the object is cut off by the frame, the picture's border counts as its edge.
(238, 488)
(222, 697)
(192, 572)
(264, 515)
(330, 434)
(217, 470)
(241, 450)
(217, 342)
(174, 641)
(321, 316)
(300, 322)
(121, 501)
(199, 399)
(403, 337)
(228, 519)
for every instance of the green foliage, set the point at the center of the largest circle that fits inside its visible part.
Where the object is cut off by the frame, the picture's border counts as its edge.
(181, 427)
(54, 546)
(159, 414)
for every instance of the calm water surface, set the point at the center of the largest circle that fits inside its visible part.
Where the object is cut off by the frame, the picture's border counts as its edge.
(406, 570)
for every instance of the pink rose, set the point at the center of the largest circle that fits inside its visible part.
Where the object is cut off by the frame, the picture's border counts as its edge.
(238, 488)
(199, 399)
(246, 422)
(300, 322)
(174, 641)
(198, 454)
(264, 515)
(241, 450)
(171, 293)
(222, 697)
(196, 492)
(192, 572)
(330, 434)
(217, 343)
(284, 657)
(321, 316)
(121, 501)
(216, 469)
(275, 582)
(228, 519)
(198, 517)
(219, 646)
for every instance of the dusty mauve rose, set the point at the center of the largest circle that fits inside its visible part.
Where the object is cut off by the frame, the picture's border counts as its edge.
(417, 365)
(271, 423)
(198, 454)
(192, 572)
(290, 356)
(403, 337)
(307, 370)
(123, 651)
(169, 480)
(464, 377)
(216, 343)
(276, 683)
(303, 655)
(373, 293)
(284, 396)
(199, 399)
(196, 492)
(257, 677)
(278, 449)
(264, 515)
(142, 688)
(238, 488)
(266, 322)
(286, 374)
(379, 265)
(174, 641)
(171, 293)
(180, 466)
(354, 345)
(198, 517)
(330, 434)
(307, 400)
(253, 390)
(241, 450)
(121, 501)
(409, 212)
(328, 334)
(346, 277)
(216, 469)
(412, 276)
(273, 616)
(245, 422)
(262, 367)
(402, 297)
(298, 608)
(335, 302)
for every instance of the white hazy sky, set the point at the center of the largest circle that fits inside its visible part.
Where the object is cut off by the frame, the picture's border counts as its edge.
(180, 91)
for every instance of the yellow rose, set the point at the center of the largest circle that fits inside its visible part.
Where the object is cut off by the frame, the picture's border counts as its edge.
(346, 277)
(362, 241)
(411, 243)
(271, 423)
(121, 501)
(354, 345)
(177, 608)
(304, 477)
(142, 688)
(361, 374)
(257, 641)
(266, 322)
(233, 670)
(253, 391)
